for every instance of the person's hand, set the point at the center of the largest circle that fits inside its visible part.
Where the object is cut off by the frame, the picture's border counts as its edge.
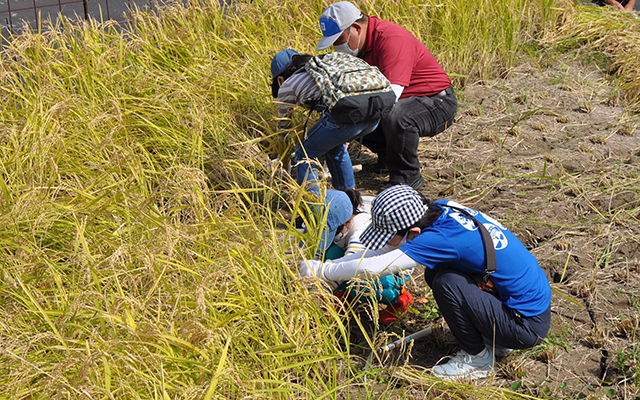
(615, 4)
(315, 269)
(311, 268)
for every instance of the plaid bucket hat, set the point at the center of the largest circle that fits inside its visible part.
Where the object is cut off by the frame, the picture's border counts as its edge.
(394, 209)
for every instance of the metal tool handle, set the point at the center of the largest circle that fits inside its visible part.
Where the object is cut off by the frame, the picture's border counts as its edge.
(420, 334)
(414, 336)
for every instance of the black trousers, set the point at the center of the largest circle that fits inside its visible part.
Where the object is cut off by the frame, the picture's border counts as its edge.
(473, 314)
(397, 137)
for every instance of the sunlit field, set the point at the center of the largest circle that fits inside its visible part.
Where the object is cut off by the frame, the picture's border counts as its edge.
(149, 248)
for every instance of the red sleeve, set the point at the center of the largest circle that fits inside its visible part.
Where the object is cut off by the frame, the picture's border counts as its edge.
(396, 58)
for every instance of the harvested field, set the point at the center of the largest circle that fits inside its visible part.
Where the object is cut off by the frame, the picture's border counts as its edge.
(552, 155)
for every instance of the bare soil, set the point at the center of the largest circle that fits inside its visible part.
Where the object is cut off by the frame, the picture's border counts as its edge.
(552, 154)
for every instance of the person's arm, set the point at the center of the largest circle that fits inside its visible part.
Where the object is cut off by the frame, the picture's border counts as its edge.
(354, 246)
(346, 268)
(395, 60)
(357, 226)
(397, 90)
(297, 89)
(630, 4)
(286, 100)
(615, 4)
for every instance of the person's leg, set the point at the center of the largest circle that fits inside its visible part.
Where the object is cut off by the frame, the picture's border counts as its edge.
(401, 138)
(389, 289)
(306, 171)
(338, 159)
(339, 164)
(376, 142)
(364, 290)
(410, 119)
(473, 314)
(386, 289)
(327, 138)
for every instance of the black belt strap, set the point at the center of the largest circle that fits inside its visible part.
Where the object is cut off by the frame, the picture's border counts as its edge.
(489, 250)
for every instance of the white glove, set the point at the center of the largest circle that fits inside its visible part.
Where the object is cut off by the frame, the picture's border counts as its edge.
(315, 269)
(311, 268)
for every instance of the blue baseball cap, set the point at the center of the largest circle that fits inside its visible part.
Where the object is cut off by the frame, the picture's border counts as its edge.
(334, 20)
(278, 63)
(339, 210)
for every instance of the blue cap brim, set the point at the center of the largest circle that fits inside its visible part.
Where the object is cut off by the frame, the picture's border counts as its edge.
(326, 240)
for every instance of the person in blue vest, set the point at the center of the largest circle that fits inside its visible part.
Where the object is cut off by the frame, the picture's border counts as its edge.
(508, 309)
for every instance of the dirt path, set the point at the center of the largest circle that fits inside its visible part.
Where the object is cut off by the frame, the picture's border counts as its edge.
(554, 157)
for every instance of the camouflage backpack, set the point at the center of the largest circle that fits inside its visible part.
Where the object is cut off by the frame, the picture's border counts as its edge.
(353, 90)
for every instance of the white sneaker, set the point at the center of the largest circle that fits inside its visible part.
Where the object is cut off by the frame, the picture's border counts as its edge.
(465, 365)
(327, 174)
(499, 351)
(502, 352)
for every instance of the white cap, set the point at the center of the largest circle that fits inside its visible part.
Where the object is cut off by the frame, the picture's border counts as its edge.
(334, 20)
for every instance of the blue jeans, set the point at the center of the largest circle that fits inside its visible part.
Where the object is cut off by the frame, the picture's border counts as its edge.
(327, 138)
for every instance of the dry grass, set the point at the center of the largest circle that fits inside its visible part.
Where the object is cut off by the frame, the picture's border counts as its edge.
(605, 32)
(147, 253)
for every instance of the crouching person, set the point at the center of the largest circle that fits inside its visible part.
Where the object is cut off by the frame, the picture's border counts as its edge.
(389, 289)
(341, 236)
(485, 310)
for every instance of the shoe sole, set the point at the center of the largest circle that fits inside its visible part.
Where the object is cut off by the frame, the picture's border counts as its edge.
(472, 375)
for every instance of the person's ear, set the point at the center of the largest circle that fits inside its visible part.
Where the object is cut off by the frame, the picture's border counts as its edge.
(413, 233)
(362, 34)
(280, 80)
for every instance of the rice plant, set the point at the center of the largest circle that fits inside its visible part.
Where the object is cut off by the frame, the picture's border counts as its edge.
(147, 252)
(609, 34)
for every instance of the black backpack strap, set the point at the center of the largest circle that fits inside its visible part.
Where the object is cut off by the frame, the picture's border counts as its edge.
(312, 107)
(376, 106)
(304, 129)
(489, 250)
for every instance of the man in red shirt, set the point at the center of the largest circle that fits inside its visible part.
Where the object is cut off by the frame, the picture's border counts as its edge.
(426, 102)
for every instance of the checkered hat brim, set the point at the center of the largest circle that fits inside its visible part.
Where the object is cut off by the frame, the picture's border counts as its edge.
(394, 209)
